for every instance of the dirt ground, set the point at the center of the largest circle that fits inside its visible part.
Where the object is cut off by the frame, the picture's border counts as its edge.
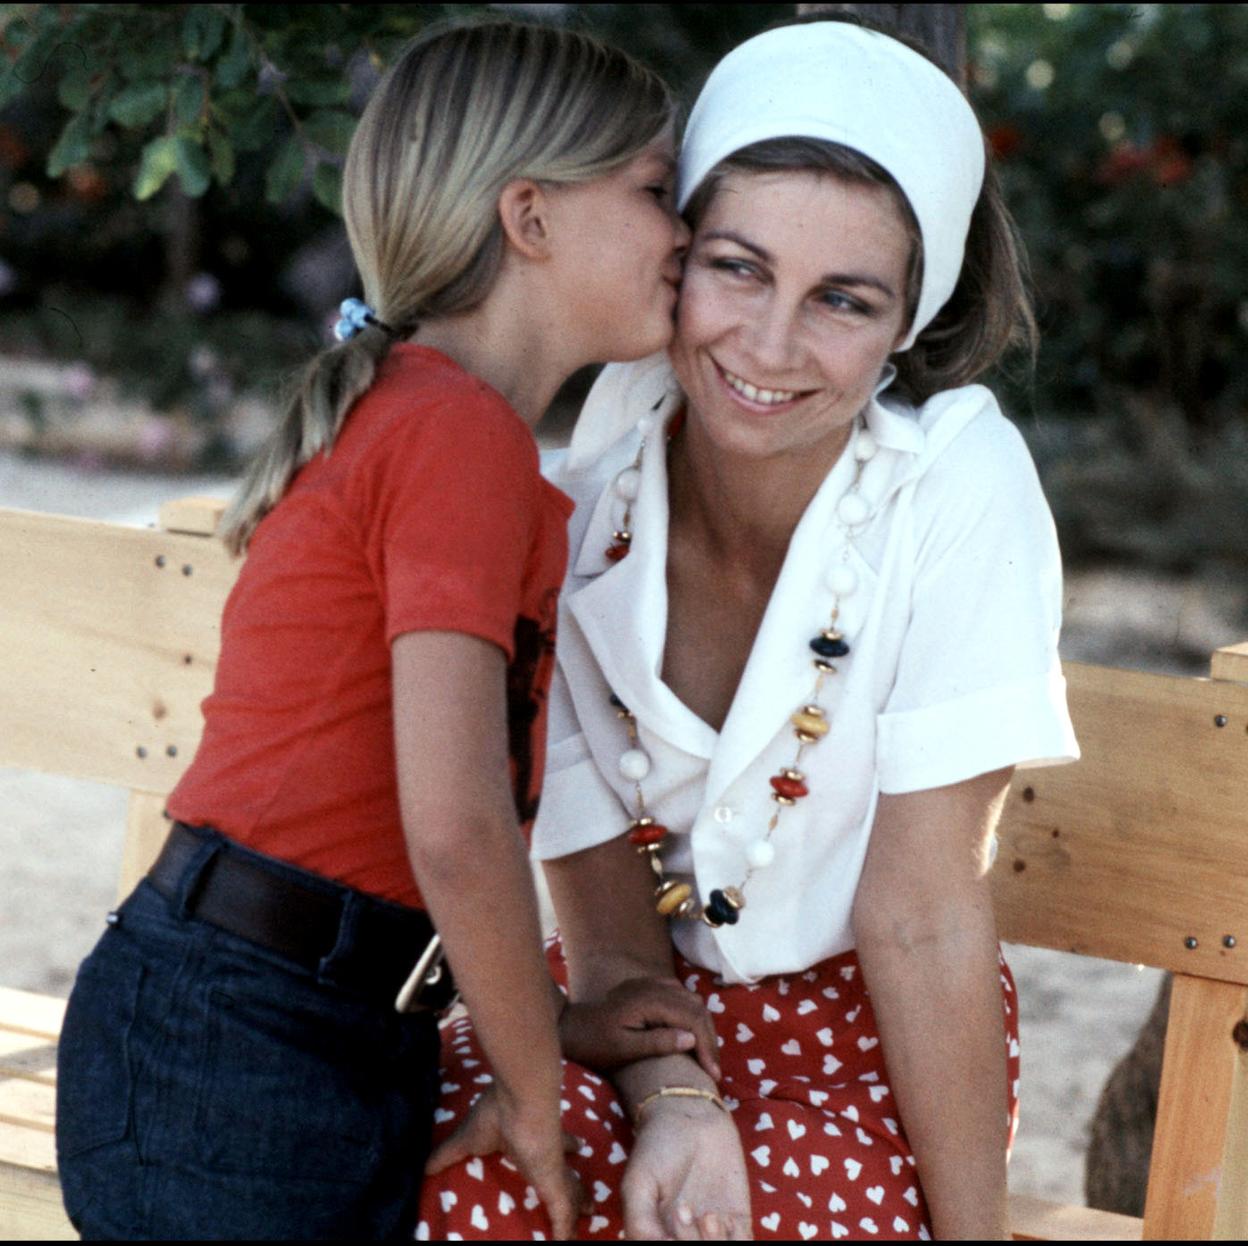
(60, 840)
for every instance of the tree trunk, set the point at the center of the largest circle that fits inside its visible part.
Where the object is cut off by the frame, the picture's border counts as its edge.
(941, 28)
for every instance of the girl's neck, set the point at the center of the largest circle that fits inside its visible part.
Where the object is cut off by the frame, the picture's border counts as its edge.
(508, 346)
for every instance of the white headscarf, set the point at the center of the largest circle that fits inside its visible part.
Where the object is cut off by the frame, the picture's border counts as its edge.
(828, 80)
(840, 82)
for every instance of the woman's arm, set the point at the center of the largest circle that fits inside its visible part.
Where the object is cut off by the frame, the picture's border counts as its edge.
(459, 820)
(926, 940)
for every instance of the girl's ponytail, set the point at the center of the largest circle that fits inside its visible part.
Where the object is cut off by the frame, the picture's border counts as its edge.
(463, 111)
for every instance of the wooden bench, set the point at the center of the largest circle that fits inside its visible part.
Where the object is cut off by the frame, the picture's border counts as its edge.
(1139, 852)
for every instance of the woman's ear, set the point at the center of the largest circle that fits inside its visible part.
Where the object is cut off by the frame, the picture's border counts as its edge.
(524, 212)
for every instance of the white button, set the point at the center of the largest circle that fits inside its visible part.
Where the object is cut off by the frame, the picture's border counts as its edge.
(723, 814)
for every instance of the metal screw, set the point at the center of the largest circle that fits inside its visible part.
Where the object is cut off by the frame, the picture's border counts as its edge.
(1220, 720)
(1240, 1034)
(160, 560)
(171, 751)
(1029, 794)
(1228, 940)
(187, 568)
(1191, 943)
(112, 919)
(140, 751)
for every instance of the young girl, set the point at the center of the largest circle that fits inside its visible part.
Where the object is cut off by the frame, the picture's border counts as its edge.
(232, 1062)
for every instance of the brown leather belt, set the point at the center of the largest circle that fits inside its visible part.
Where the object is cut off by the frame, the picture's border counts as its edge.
(369, 947)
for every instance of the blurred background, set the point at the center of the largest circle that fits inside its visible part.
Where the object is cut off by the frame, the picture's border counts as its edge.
(171, 251)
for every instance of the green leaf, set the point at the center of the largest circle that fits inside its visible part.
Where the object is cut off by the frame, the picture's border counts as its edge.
(327, 187)
(233, 66)
(256, 125)
(331, 130)
(188, 99)
(74, 89)
(222, 157)
(72, 147)
(194, 167)
(160, 158)
(202, 31)
(139, 103)
(150, 53)
(318, 92)
(285, 172)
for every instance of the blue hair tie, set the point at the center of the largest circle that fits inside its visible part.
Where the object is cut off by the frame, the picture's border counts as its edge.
(355, 315)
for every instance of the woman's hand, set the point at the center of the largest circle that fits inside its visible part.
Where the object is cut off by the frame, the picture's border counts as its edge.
(493, 1126)
(636, 1019)
(686, 1178)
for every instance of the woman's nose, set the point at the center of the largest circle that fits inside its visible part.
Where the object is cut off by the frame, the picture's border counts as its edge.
(770, 338)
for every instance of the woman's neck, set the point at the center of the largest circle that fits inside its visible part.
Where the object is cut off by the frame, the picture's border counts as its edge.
(741, 510)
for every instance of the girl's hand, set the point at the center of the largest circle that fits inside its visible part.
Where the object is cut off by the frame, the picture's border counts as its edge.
(686, 1178)
(639, 1018)
(492, 1126)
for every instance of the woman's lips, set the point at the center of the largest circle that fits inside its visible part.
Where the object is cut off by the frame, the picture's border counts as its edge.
(764, 402)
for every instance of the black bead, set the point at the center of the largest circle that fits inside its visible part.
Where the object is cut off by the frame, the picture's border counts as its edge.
(826, 648)
(720, 911)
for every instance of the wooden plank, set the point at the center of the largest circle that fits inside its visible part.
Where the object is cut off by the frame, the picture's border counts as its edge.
(32, 1105)
(1198, 1185)
(146, 831)
(196, 515)
(21, 1147)
(1230, 662)
(1142, 846)
(30, 1206)
(28, 1013)
(1038, 1220)
(108, 643)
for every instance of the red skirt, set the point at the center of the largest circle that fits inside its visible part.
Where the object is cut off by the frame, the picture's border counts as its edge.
(804, 1076)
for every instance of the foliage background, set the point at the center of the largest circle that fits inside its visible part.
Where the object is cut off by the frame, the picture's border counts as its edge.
(169, 179)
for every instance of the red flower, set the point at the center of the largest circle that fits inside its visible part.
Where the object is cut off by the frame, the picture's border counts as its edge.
(1004, 140)
(1170, 163)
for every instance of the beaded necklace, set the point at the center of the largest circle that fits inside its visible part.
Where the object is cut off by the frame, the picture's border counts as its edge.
(809, 721)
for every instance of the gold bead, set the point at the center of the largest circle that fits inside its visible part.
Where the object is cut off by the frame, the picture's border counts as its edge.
(830, 633)
(734, 897)
(810, 724)
(790, 773)
(656, 864)
(688, 909)
(824, 667)
(623, 535)
(644, 820)
(674, 895)
(782, 800)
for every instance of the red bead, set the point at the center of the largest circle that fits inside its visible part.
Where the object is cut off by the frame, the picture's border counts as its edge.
(642, 835)
(616, 552)
(792, 788)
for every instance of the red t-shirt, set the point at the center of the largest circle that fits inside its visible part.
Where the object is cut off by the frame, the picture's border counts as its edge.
(429, 514)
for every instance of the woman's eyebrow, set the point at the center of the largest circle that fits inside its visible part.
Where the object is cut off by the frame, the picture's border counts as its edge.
(830, 279)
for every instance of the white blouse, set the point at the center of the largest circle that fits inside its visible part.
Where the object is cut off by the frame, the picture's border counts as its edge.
(953, 669)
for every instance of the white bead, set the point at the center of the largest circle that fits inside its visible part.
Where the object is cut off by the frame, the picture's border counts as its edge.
(627, 484)
(852, 510)
(760, 854)
(864, 447)
(723, 814)
(634, 765)
(647, 424)
(843, 579)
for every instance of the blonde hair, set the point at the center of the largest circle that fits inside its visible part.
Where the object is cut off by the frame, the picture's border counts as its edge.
(462, 112)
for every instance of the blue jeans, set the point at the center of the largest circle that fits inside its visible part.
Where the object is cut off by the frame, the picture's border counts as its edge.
(210, 1089)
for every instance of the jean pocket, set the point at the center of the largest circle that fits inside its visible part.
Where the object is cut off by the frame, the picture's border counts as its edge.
(288, 1090)
(94, 1086)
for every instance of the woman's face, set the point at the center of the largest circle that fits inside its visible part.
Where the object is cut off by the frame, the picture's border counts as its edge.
(793, 297)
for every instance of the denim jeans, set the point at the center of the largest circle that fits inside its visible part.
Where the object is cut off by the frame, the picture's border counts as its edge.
(210, 1089)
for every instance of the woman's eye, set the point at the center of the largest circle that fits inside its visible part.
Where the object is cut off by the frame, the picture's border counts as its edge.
(660, 192)
(837, 301)
(740, 268)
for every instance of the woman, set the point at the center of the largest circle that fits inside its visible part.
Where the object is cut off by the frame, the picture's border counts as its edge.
(232, 1063)
(809, 631)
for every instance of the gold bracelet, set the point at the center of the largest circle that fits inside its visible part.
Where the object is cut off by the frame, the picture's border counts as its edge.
(678, 1092)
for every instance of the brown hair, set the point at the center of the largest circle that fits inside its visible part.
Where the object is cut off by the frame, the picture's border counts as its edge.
(990, 310)
(464, 110)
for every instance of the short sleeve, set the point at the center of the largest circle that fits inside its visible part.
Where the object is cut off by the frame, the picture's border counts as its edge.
(454, 511)
(979, 684)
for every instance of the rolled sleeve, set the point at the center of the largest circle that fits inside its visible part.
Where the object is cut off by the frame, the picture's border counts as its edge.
(979, 684)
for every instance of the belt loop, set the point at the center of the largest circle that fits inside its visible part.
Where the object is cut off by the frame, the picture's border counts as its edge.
(348, 924)
(188, 885)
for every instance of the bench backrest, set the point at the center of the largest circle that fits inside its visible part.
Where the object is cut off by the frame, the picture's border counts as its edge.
(1139, 852)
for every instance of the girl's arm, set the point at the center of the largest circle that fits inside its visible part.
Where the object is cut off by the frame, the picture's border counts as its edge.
(459, 820)
(927, 942)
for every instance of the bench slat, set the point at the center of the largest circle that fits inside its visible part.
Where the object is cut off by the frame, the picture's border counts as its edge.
(98, 624)
(1037, 1219)
(1139, 847)
(30, 1014)
(30, 1206)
